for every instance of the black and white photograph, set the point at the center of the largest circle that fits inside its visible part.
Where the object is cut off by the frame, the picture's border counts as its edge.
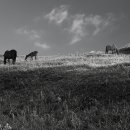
(64, 64)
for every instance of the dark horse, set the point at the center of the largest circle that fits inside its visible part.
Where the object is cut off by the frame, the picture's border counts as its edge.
(32, 54)
(12, 54)
(112, 48)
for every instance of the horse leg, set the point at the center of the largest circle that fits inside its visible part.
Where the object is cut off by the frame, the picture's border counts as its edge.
(13, 61)
(35, 57)
(106, 52)
(113, 51)
(4, 60)
(9, 61)
(26, 57)
(31, 57)
(117, 51)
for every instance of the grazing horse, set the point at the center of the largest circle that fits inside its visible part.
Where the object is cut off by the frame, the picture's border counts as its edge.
(112, 48)
(12, 54)
(32, 54)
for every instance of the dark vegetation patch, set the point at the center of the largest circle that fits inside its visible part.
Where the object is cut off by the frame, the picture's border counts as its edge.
(58, 99)
(125, 50)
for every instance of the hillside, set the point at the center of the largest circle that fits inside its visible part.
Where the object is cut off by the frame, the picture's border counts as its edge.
(74, 92)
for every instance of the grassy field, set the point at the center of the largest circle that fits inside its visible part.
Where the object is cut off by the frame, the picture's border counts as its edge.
(74, 92)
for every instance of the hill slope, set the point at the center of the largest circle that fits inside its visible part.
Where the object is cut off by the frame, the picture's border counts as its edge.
(70, 92)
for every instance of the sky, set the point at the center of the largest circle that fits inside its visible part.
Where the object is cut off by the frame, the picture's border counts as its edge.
(54, 27)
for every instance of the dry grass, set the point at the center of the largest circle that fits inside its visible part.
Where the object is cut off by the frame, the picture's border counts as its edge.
(74, 92)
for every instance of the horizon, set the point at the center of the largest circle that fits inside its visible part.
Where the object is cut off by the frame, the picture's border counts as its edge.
(63, 26)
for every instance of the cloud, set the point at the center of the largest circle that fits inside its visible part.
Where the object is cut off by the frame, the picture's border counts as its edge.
(99, 22)
(77, 25)
(42, 45)
(77, 28)
(58, 15)
(22, 30)
(80, 25)
(34, 36)
(31, 34)
(91, 25)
